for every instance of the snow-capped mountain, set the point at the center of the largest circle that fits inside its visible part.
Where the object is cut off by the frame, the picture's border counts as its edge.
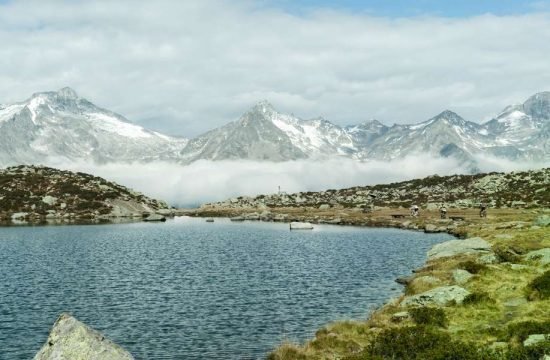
(61, 125)
(58, 126)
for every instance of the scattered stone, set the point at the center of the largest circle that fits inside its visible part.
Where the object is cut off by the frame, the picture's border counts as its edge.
(431, 228)
(324, 207)
(439, 296)
(542, 256)
(461, 276)
(535, 339)
(50, 200)
(455, 247)
(19, 216)
(71, 339)
(488, 259)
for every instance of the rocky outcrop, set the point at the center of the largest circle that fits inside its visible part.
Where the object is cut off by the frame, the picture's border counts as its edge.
(441, 296)
(37, 193)
(455, 247)
(70, 339)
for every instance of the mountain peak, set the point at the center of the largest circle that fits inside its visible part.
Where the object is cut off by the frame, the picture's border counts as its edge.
(67, 93)
(263, 106)
(538, 105)
(448, 114)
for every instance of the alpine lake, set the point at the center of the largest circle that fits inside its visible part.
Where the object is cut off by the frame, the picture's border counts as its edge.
(187, 289)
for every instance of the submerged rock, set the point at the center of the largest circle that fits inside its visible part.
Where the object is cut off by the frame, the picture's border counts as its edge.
(439, 296)
(455, 247)
(70, 339)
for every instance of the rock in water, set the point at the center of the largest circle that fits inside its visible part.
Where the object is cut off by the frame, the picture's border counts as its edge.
(300, 226)
(70, 339)
(155, 217)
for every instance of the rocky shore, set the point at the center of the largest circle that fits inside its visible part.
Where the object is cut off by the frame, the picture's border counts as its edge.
(485, 296)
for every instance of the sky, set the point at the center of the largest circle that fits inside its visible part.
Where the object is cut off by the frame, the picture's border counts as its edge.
(185, 67)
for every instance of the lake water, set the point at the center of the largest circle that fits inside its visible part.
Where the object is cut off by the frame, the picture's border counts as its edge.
(186, 289)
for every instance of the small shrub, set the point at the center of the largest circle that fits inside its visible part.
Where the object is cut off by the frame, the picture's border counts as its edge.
(541, 286)
(522, 330)
(477, 298)
(472, 267)
(421, 342)
(506, 254)
(429, 316)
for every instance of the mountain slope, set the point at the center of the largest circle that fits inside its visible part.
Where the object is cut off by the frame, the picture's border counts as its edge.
(61, 125)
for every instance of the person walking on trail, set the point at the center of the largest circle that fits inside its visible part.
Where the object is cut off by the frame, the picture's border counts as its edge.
(443, 212)
(482, 209)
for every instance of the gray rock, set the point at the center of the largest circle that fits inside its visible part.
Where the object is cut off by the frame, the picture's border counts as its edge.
(543, 220)
(400, 316)
(535, 339)
(455, 247)
(50, 200)
(324, 207)
(461, 276)
(431, 228)
(542, 256)
(439, 296)
(488, 259)
(70, 339)
(155, 217)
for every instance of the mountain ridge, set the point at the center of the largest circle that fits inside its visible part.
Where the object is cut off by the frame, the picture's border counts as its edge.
(63, 126)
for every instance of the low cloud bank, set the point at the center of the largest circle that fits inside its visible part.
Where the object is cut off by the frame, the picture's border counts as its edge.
(208, 181)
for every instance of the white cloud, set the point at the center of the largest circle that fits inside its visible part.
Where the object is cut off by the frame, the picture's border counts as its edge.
(187, 66)
(207, 181)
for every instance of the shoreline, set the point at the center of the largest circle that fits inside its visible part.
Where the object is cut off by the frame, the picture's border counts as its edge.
(509, 232)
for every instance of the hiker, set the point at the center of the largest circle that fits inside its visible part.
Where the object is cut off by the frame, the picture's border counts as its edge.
(443, 212)
(482, 209)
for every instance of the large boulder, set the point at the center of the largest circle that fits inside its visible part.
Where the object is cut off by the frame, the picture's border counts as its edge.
(456, 247)
(441, 296)
(70, 339)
